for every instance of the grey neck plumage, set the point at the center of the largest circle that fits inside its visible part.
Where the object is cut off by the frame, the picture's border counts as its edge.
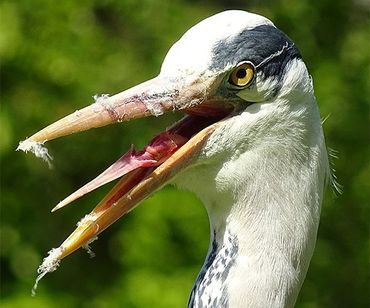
(213, 275)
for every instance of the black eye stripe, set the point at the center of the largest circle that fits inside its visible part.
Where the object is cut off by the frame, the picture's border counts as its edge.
(257, 45)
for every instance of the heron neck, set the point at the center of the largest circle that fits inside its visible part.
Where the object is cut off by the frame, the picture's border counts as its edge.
(264, 208)
(260, 246)
(262, 185)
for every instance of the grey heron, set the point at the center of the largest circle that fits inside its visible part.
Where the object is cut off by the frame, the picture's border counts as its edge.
(251, 146)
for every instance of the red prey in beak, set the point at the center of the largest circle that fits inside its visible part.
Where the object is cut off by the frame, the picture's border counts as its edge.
(141, 172)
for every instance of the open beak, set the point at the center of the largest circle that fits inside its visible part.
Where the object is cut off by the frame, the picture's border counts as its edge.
(141, 172)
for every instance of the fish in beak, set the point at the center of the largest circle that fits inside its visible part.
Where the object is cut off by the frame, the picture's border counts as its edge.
(141, 172)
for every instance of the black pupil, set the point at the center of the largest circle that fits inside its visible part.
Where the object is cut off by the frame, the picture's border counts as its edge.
(241, 73)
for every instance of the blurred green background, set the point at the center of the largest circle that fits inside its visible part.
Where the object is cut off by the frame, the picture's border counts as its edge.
(56, 55)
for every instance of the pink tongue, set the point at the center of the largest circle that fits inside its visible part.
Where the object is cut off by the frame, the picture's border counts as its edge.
(159, 149)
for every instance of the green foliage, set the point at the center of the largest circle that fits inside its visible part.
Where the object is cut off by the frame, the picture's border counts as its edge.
(56, 55)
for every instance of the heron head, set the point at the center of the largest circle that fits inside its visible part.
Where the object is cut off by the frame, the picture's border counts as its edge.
(236, 57)
(219, 69)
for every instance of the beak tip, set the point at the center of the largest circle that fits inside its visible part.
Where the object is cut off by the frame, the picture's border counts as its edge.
(35, 147)
(58, 206)
(25, 145)
(48, 265)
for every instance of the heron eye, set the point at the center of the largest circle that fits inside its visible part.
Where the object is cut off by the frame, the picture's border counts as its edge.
(242, 75)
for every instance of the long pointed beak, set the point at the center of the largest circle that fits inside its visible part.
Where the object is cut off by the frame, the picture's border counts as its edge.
(142, 172)
(116, 204)
(153, 97)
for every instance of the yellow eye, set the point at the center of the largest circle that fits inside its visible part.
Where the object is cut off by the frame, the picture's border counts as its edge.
(242, 75)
